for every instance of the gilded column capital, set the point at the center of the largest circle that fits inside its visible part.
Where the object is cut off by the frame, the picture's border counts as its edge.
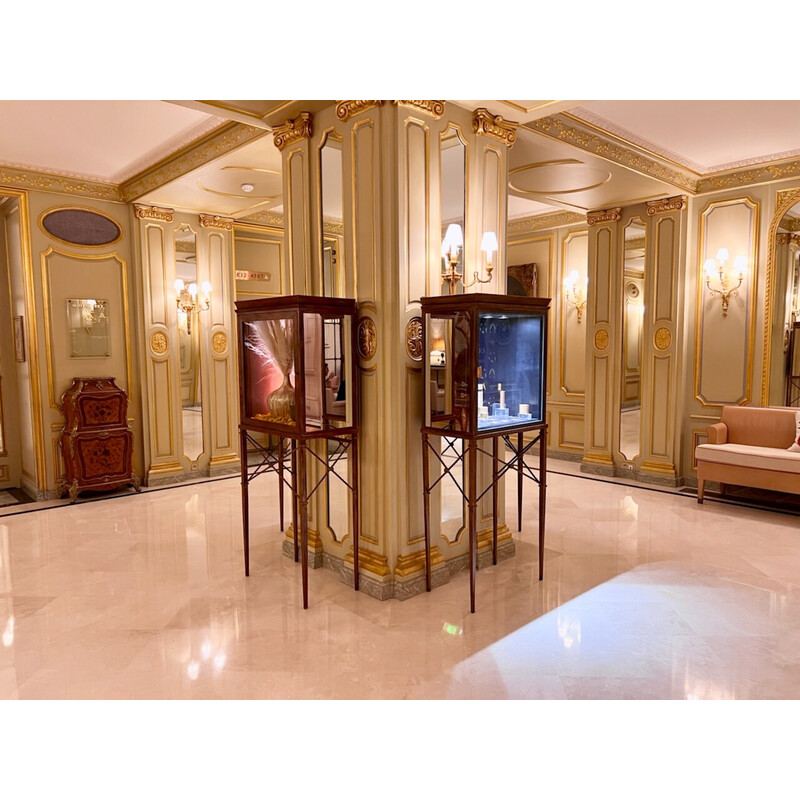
(433, 107)
(215, 221)
(782, 238)
(293, 130)
(607, 215)
(663, 206)
(153, 212)
(486, 124)
(349, 108)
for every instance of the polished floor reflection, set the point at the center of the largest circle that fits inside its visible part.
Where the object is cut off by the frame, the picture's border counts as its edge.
(646, 595)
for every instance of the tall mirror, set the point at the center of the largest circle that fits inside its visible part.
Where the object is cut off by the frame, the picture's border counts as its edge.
(332, 216)
(453, 161)
(189, 342)
(785, 328)
(632, 322)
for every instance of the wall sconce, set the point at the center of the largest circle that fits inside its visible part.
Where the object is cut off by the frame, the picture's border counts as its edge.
(575, 295)
(451, 253)
(488, 246)
(189, 301)
(725, 277)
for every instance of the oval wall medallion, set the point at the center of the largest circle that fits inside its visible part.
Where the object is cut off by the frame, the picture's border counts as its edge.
(601, 339)
(158, 343)
(80, 226)
(219, 341)
(662, 338)
(414, 338)
(367, 339)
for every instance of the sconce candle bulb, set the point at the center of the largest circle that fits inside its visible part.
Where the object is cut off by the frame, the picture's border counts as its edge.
(575, 296)
(488, 246)
(451, 253)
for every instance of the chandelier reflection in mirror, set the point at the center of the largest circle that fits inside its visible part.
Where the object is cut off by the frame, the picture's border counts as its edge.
(725, 277)
(190, 301)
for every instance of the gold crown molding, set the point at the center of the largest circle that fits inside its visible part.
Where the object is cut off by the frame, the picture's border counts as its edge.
(185, 247)
(208, 148)
(578, 135)
(345, 109)
(215, 221)
(293, 130)
(663, 206)
(264, 218)
(607, 215)
(635, 244)
(543, 222)
(433, 107)
(486, 124)
(790, 224)
(748, 177)
(45, 182)
(153, 212)
(333, 227)
(414, 338)
(782, 238)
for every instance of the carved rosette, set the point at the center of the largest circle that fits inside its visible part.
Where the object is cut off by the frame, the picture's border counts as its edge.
(607, 215)
(663, 206)
(433, 107)
(159, 343)
(601, 339)
(153, 212)
(662, 339)
(215, 221)
(486, 124)
(219, 342)
(414, 338)
(293, 130)
(366, 339)
(349, 108)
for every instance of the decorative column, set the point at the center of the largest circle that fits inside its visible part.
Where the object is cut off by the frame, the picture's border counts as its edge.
(602, 344)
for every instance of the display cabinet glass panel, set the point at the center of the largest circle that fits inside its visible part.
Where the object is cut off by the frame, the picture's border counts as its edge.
(485, 362)
(296, 361)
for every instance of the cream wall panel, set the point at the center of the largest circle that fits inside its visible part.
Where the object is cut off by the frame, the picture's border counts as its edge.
(219, 274)
(493, 195)
(573, 334)
(364, 175)
(155, 248)
(599, 284)
(370, 490)
(416, 179)
(662, 409)
(257, 253)
(161, 416)
(725, 344)
(664, 272)
(220, 413)
(599, 410)
(296, 195)
(413, 523)
(570, 431)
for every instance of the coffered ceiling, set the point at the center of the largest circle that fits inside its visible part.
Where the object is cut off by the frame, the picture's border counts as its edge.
(573, 155)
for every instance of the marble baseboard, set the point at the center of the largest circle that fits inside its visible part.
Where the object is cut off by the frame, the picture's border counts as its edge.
(315, 560)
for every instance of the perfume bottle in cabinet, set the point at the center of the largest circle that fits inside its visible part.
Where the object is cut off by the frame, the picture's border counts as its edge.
(485, 362)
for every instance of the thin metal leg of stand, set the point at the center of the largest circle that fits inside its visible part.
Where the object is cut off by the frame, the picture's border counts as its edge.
(520, 445)
(356, 519)
(473, 521)
(542, 495)
(245, 501)
(280, 479)
(294, 502)
(427, 509)
(495, 462)
(303, 502)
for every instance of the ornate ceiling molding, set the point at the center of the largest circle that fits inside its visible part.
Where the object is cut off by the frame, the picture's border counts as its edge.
(153, 212)
(271, 218)
(747, 177)
(606, 215)
(43, 182)
(544, 222)
(293, 130)
(209, 148)
(433, 107)
(486, 124)
(349, 108)
(663, 206)
(215, 221)
(635, 244)
(333, 226)
(572, 132)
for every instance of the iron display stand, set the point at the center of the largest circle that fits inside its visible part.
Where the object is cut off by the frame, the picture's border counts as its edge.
(297, 313)
(461, 420)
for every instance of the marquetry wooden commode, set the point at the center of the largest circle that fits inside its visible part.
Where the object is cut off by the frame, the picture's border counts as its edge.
(96, 443)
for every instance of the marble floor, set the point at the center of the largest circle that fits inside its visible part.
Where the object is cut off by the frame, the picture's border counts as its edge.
(646, 595)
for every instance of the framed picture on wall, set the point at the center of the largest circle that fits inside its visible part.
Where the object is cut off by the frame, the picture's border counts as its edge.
(522, 280)
(19, 339)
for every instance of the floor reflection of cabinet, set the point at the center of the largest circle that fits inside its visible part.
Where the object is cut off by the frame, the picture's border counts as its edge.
(96, 443)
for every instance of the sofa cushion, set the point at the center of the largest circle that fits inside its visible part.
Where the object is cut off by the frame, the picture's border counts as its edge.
(795, 445)
(762, 427)
(744, 455)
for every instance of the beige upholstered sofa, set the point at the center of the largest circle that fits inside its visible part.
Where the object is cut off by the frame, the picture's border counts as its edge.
(749, 447)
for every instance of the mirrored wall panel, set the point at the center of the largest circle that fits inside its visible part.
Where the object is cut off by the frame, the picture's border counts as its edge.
(453, 152)
(332, 217)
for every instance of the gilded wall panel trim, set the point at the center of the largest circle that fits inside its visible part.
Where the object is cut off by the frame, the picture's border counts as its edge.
(568, 319)
(783, 202)
(156, 265)
(297, 213)
(161, 412)
(665, 269)
(369, 491)
(599, 411)
(416, 209)
(493, 201)
(568, 440)
(601, 281)
(661, 424)
(543, 222)
(364, 204)
(704, 248)
(223, 435)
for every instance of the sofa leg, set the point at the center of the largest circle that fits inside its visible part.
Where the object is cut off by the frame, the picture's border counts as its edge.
(722, 488)
(701, 485)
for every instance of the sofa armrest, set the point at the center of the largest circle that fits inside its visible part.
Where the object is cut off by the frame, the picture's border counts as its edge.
(717, 433)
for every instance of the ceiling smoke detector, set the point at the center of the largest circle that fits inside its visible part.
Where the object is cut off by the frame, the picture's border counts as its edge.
(247, 187)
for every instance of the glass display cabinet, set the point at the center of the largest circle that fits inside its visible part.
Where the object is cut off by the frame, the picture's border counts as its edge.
(485, 360)
(297, 384)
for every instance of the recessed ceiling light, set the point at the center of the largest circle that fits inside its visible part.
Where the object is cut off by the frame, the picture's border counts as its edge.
(247, 187)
